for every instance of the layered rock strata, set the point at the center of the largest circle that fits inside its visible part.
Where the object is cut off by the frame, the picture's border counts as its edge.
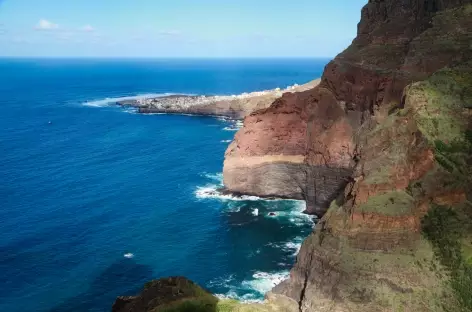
(398, 42)
(381, 246)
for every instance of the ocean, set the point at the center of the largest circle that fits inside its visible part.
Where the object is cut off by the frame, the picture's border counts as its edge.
(96, 200)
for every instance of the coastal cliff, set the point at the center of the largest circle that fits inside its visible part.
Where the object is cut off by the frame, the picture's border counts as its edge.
(394, 109)
(303, 146)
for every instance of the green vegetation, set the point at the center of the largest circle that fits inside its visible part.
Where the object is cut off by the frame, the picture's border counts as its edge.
(183, 296)
(439, 105)
(415, 189)
(454, 157)
(446, 229)
(378, 176)
(383, 56)
(228, 305)
(204, 304)
(397, 280)
(440, 102)
(393, 203)
(388, 144)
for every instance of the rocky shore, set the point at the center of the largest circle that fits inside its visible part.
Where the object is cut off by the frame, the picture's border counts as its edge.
(233, 106)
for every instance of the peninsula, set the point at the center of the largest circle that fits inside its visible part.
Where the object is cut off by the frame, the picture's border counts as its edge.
(232, 106)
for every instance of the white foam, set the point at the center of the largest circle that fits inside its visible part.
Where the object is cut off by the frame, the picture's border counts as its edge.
(108, 101)
(237, 124)
(294, 245)
(218, 177)
(296, 214)
(211, 191)
(232, 295)
(231, 128)
(263, 282)
(222, 281)
(255, 212)
(128, 255)
(252, 290)
(226, 141)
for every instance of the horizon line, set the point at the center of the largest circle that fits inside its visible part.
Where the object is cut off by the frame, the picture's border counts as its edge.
(163, 57)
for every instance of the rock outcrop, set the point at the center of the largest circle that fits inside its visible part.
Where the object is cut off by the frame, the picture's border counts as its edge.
(178, 294)
(168, 294)
(234, 106)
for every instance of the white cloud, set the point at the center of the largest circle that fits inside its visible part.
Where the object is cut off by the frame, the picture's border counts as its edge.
(44, 24)
(87, 28)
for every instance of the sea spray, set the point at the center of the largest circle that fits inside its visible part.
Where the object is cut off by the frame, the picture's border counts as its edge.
(114, 100)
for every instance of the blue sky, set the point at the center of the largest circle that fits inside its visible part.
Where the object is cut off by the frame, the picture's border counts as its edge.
(177, 28)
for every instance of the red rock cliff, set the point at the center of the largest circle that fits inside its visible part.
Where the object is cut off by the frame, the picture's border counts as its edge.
(387, 133)
(303, 145)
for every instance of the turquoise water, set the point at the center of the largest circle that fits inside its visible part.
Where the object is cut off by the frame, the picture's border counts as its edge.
(97, 200)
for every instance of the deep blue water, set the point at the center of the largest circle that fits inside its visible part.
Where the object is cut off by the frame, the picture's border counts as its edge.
(96, 200)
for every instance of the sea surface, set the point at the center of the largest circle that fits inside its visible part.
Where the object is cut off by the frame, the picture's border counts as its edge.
(96, 200)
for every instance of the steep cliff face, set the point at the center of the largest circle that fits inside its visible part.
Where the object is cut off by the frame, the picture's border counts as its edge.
(303, 146)
(394, 112)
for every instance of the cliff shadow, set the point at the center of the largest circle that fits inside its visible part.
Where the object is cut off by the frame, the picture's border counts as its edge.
(124, 277)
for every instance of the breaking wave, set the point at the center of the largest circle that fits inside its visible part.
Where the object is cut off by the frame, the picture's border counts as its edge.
(293, 246)
(230, 128)
(251, 290)
(256, 209)
(112, 100)
(218, 177)
(214, 191)
(235, 126)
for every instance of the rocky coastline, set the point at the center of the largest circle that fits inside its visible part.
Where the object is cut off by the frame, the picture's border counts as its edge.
(382, 150)
(232, 106)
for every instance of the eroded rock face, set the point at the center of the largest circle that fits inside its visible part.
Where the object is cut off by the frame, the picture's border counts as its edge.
(271, 155)
(398, 42)
(404, 86)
